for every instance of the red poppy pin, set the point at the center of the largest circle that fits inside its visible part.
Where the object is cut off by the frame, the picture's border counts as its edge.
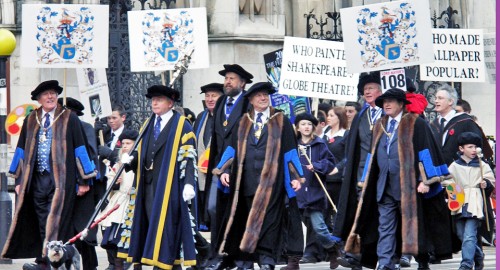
(332, 140)
(118, 144)
(451, 132)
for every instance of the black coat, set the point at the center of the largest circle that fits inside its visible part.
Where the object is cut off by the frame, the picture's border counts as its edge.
(337, 147)
(348, 195)
(262, 228)
(457, 125)
(221, 138)
(70, 165)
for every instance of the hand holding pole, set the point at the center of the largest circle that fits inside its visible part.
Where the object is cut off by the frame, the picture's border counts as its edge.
(303, 152)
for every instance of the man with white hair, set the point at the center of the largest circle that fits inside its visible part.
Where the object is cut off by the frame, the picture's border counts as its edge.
(449, 124)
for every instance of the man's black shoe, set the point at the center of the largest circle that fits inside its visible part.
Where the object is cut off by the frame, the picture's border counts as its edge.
(349, 262)
(433, 259)
(35, 266)
(405, 261)
(220, 264)
(423, 266)
(479, 264)
(267, 267)
(307, 259)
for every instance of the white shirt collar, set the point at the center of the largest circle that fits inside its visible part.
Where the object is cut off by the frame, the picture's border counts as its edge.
(119, 131)
(448, 116)
(165, 118)
(235, 97)
(339, 133)
(51, 113)
(265, 115)
(397, 118)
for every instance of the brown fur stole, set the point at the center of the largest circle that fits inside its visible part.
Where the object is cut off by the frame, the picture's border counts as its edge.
(267, 180)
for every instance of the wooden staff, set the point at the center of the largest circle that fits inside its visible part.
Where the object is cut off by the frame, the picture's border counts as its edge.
(480, 155)
(303, 152)
(101, 137)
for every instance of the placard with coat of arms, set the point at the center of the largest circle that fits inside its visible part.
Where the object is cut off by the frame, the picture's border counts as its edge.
(387, 35)
(65, 36)
(159, 38)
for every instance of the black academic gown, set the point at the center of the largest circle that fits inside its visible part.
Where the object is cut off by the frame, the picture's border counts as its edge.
(221, 138)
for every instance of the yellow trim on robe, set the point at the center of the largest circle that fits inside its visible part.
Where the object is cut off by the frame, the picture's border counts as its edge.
(166, 198)
(188, 136)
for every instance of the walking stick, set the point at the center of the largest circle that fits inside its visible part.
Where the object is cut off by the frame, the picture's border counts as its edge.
(179, 70)
(303, 152)
(480, 155)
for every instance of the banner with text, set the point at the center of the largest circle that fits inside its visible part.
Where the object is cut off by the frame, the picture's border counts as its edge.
(94, 93)
(490, 56)
(65, 36)
(316, 68)
(159, 38)
(458, 55)
(387, 35)
(290, 105)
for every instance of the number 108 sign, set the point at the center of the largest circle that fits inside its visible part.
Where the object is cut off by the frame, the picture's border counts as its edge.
(394, 78)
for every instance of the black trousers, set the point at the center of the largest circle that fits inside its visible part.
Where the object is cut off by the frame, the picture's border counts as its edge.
(42, 190)
(89, 256)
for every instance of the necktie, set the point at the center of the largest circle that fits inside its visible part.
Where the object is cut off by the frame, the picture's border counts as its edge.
(43, 150)
(441, 126)
(47, 121)
(111, 139)
(157, 129)
(258, 127)
(389, 136)
(229, 106)
(374, 112)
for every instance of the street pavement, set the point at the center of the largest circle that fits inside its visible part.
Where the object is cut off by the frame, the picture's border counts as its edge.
(490, 262)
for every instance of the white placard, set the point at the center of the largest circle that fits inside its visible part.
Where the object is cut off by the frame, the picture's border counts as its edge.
(159, 38)
(490, 54)
(459, 56)
(394, 78)
(65, 36)
(94, 93)
(387, 35)
(316, 68)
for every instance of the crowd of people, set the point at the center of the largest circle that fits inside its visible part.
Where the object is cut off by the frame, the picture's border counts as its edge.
(374, 184)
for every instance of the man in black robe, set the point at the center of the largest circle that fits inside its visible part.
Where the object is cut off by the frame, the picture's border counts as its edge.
(401, 208)
(449, 124)
(357, 150)
(227, 112)
(52, 167)
(265, 172)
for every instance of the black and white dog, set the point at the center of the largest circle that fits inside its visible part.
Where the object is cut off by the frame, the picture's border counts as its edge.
(62, 256)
